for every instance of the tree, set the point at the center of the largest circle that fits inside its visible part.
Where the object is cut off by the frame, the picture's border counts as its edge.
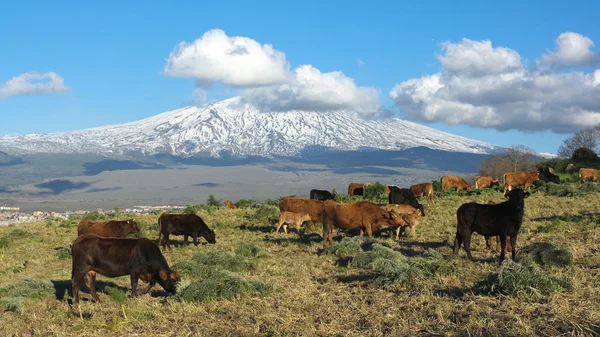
(519, 157)
(585, 155)
(514, 159)
(587, 138)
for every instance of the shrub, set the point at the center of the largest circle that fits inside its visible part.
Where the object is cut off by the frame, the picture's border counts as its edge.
(245, 203)
(63, 252)
(213, 201)
(264, 212)
(437, 185)
(249, 250)
(13, 296)
(94, 216)
(545, 253)
(341, 198)
(272, 202)
(517, 280)
(375, 192)
(190, 209)
(222, 284)
(350, 246)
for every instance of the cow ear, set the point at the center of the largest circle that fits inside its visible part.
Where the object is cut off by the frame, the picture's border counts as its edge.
(163, 275)
(174, 275)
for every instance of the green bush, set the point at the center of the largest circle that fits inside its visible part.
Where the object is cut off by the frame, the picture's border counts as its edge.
(342, 198)
(222, 284)
(585, 155)
(545, 253)
(264, 212)
(437, 185)
(213, 201)
(246, 203)
(94, 216)
(272, 202)
(517, 280)
(375, 192)
(350, 246)
(13, 296)
(63, 252)
(251, 250)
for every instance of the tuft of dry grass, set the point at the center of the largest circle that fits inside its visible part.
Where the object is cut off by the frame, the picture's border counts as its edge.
(312, 294)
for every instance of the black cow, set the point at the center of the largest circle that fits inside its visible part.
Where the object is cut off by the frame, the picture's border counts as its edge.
(502, 219)
(183, 224)
(404, 196)
(547, 175)
(113, 257)
(321, 195)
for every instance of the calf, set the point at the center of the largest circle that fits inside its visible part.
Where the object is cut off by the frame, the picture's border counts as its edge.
(423, 190)
(183, 224)
(321, 195)
(296, 219)
(113, 257)
(486, 182)
(404, 196)
(588, 174)
(449, 182)
(299, 205)
(503, 219)
(365, 215)
(108, 229)
(409, 215)
(229, 204)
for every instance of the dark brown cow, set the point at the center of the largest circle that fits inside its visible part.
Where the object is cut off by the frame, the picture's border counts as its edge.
(365, 215)
(457, 182)
(486, 182)
(183, 224)
(113, 257)
(503, 219)
(488, 239)
(588, 174)
(108, 229)
(423, 190)
(314, 208)
(525, 178)
(229, 204)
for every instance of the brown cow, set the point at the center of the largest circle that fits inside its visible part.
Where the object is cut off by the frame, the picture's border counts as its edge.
(113, 257)
(314, 208)
(186, 225)
(357, 188)
(108, 229)
(454, 182)
(488, 239)
(588, 174)
(486, 182)
(409, 215)
(423, 190)
(525, 178)
(296, 219)
(365, 215)
(229, 204)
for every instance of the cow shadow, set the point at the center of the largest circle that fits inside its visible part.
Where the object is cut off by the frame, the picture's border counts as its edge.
(306, 238)
(62, 288)
(452, 292)
(407, 246)
(259, 228)
(588, 216)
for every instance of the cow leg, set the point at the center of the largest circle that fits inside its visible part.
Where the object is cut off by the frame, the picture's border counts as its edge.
(195, 238)
(488, 242)
(457, 242)
(278, 226)
(361, 232)
(513, 246)
(185, 239)
(509, 243)
(498, 244)
(75, 284)
(285, 228)
(134, 281)
(467, 245)
(90, 282)
(413, 232)
(150, 286)
(369, 231)
(503, 247)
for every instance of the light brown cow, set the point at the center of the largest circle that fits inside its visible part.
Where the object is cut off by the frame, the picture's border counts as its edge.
(488, 239)
(108, 229)
(365, 215)
(588, 174)
(423, 190)
(296, 219)
(357, 188)
(457, 182)
(525, 178)
(485, 182)
(229, 204)
(409, 215)
(314, 208)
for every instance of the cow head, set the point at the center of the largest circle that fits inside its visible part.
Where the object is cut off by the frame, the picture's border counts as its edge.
(209, 235)
(168, 280)
(517, 196)
(422, 209)
(412, 218)
(132, 226)
(495, 182)
(395, 218)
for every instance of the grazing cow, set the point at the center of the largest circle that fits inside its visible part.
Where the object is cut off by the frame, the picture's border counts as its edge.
(183, 224)
(404, 196)
(357, 188)
(588, 174)
(108, 229)
(488, 239)
(321, 195)
(547, 175)
(229, 204)
(299, 205)
(113, 257)
(486, 182)
(296, 219)
(365, 215)
(409, 215)
(456, 182)
(423, 190)
(503, 219)
(526, 179)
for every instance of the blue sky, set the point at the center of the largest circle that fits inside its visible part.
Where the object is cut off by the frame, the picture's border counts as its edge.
(111, 57)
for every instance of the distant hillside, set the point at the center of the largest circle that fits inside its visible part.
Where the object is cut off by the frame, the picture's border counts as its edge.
(7, 160)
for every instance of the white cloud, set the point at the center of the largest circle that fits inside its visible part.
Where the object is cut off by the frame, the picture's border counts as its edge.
(236, 61)
(572, 50)
(482, 86)
(310, 89)
(33, 83)
(478, 58)
(264, 77)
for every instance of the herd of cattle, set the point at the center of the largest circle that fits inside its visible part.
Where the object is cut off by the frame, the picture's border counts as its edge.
(102, 247)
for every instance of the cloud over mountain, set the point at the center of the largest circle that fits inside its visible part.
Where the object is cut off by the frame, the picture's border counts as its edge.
(33, 83)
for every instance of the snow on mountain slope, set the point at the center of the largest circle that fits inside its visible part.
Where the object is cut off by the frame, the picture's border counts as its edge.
(243, 130)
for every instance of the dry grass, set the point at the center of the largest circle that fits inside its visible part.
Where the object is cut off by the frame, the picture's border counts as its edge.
(312, 294)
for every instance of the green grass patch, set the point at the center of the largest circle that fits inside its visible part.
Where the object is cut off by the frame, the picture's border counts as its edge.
(222, 284)
(251, 250)
(546, 254)
(63, 252)
(14, 296)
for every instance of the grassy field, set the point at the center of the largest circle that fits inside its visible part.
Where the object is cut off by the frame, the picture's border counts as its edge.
(303, 291)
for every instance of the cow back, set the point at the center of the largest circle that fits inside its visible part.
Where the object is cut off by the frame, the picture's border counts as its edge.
(298, 205)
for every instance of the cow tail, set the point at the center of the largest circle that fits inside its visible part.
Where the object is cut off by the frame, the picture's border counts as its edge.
(159, 228)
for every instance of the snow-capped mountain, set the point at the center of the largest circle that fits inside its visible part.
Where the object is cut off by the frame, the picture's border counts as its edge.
(243, 130)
